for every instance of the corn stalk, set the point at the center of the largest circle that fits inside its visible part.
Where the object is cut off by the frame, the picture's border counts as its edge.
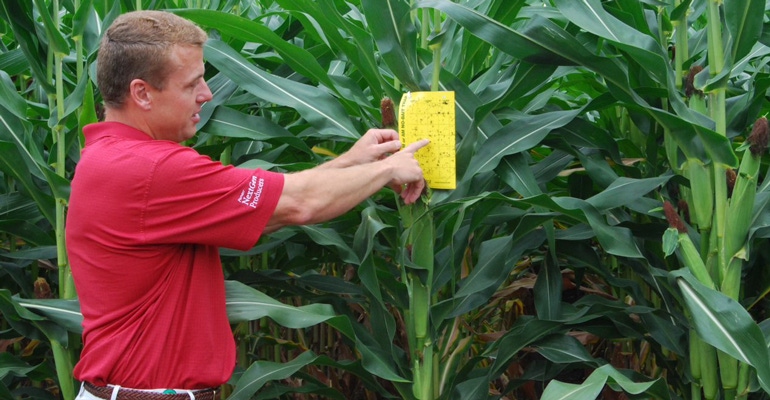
(417, 268)
(417, 274)
(723, 239)
(59, 48)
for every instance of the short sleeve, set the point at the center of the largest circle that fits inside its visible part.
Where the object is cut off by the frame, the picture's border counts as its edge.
(192, 199)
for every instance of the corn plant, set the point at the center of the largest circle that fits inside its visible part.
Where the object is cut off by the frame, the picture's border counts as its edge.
(45, 102)
(594, 243)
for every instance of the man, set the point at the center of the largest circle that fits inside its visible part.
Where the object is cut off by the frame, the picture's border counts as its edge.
(147, 216)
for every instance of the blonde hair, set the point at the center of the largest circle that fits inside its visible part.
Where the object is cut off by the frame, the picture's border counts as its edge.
(137, 46)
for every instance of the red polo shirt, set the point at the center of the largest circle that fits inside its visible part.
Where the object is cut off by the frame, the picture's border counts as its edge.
(145, 221)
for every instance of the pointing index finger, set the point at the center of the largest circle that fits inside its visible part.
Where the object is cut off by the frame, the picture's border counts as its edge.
(413, 147)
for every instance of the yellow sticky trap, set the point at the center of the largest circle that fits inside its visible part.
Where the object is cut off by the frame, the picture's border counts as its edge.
(431, 115)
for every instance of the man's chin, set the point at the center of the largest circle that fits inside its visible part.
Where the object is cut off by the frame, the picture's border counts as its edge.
(186, 136)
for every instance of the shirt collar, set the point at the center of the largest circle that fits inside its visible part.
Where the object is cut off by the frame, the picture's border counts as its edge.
(100, 130)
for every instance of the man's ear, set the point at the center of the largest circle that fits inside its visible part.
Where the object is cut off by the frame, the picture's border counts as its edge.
(140, 94)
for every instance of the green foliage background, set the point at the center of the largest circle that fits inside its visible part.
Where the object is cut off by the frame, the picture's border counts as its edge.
(551, 270)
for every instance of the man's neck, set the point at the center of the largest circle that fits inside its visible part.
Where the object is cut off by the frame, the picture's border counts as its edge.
(126, 117)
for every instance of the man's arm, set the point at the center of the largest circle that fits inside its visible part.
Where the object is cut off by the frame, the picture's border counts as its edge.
(320, 194)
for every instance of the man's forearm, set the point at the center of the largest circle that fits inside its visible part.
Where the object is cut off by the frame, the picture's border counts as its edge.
(326, 194)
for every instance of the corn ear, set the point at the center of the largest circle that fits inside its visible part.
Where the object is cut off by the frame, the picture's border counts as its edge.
(695, 96)
(693, 261)
(745, 190)
(712, 253)
(701, 192)
(423, 374)
(709, 373)
(420, 240)
(731, 278)
(417, 380)
(695, 370)
(744, 376)
(419, 308)
(420, 237)
(728, 373)
(740, 208)
(672, 151)
(690, 255)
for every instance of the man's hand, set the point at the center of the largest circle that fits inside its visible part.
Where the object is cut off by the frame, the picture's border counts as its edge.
(407, 178)
(374, 145)
(320, 194)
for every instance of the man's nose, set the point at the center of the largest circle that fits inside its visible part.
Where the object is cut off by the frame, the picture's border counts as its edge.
(205, 94)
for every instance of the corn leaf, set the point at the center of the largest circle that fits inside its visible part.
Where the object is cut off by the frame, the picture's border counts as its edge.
(13, 165)
(379, 363)
(541, 41)
(27, 231)
(227, 122)
(743, 19)
(395, 35)
(488, 273)
(316, 106)
(725, 324)
(526, 331)
(591, 16)
(616, 240)
(548, 290)
(55, 38)
(244, 29)
(564, 349)
(624, 191)
(593, 385)
(330, 237)
(371, 225)
(28, 323)
(588, 390)
(11, 99)
(323, 18)
(261, 372)
(519, 135)
(65, 313)
(18, 14)
(247, 304)
(11, 365)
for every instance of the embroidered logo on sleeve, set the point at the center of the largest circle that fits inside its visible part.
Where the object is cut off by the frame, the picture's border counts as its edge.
(251, 195)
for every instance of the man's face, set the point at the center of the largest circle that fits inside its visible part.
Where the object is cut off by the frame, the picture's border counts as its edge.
(175, 109)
